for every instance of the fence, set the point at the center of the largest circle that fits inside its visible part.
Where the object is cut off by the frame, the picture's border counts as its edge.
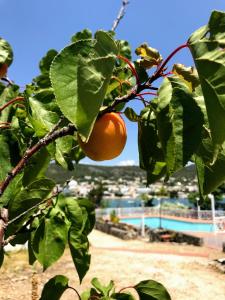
(151, 211)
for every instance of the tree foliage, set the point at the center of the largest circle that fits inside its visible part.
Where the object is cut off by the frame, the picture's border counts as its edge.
(182, 120)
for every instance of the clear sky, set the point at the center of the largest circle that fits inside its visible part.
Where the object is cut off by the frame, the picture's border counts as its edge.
(32, 27)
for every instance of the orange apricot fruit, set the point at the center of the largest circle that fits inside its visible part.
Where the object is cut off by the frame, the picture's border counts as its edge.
(3, 70)
(107, 138)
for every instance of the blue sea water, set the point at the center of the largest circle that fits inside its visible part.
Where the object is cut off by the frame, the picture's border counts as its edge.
(170, 224)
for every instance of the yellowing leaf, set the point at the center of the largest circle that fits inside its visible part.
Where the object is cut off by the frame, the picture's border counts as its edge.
(149, 56)
(188, 74)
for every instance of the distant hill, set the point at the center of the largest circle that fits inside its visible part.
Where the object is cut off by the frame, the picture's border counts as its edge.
(108, 172)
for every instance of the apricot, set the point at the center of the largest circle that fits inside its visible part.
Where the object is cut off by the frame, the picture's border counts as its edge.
(107, 138)
(3, 70)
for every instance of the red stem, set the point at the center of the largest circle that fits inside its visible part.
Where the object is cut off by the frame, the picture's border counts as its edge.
(146, 93)
(11, 102)
(133, 70)
(160, 69)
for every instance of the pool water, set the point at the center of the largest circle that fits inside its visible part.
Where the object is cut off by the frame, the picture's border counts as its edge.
(170, 224)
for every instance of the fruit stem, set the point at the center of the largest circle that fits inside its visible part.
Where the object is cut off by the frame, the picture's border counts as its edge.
(11, 102)
(133, 70)
(78, 295)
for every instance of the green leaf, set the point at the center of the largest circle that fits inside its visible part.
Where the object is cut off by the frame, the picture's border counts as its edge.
(209, 176)
(64, 147)
(50, 240)
(151, 290)
(149, 56)
(206, 48)
(105, 44)
(131, 114)
(55, 287)
(46, 61)
(33, 227)
(81, 215)
(180, 123)
(7, 94)
(6, 53)
(36, 167)
(122, 296)
(79, 245)
(40, 116)
(81, 35)
(43, 81)
(33, 194)
(88, 211)
(6, 166)
(124, 49)
(102, 289)
(188, 74)
(86, 295)
(80, 76)
(151, 156)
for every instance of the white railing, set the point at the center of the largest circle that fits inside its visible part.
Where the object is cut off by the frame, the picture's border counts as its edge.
(156, 211)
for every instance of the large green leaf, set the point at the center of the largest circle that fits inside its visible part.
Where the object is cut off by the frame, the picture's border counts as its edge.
(209, 176)
(79, 245)
(80, 74)
(206, 45)
(88, 211)
(151, 290)
(32, 194)
(41, 117)
(78, 214)
(36, 167)
(64, 147)
(6, 53)
(50, 239)
(180, 121)
(54, 288)
(151, 156)
(5, 167)
(8, 94)
(81, 35)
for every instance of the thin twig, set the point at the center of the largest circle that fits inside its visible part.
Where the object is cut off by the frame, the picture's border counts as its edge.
(33, 207)
(120, 15)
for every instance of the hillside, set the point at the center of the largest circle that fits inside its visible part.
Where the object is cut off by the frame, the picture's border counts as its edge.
(108, 172)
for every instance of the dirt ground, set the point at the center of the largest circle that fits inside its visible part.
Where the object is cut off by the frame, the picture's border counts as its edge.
(185, 270)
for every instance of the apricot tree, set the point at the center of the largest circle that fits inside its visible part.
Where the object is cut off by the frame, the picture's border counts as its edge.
(182, 120)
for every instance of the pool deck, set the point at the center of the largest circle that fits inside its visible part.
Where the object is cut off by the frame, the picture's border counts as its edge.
(211, 239)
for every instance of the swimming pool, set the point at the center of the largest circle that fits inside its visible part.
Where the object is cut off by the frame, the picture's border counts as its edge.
(170, 224)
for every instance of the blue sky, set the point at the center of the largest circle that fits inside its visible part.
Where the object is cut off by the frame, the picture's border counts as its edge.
(33, 27)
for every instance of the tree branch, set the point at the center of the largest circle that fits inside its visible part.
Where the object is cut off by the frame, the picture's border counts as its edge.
(120, 15)
(69, 130)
